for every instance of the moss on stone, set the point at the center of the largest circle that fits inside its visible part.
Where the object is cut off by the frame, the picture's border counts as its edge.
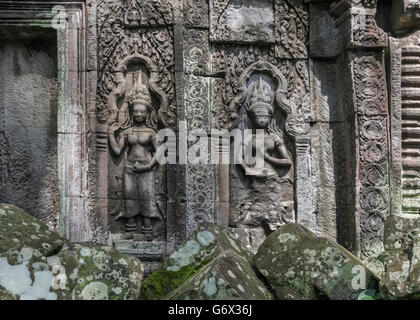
(311, 265)
(161, 282)
(226, 277)
(36, 263)
(202, 247)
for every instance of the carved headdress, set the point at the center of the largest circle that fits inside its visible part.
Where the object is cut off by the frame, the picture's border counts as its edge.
(261, 100)
(140, 93)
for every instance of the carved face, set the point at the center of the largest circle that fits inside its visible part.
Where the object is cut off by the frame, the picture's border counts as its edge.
(261, 121)
(140, 113)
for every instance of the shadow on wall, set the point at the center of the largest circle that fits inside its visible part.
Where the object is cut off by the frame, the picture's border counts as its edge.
(28, 121)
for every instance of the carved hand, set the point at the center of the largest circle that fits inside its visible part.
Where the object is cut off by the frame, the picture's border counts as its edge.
(113, 128)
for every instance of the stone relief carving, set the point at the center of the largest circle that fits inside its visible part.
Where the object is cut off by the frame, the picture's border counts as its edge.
(141, 13)
(136, 135)
(243, 21)
(196, 13)
(196, 52)
(231, 61)
(371, 101)
(275, 177)
(405, 15)
(120, 35)
(263, 200)
(367, 33)
(199, 177)
(135, 37)
(356, 21)
(410, 95)
(405, 73)
(292, 29)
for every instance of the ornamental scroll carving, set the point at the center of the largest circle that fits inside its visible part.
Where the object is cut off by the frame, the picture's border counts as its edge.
(371, 101)
(135, 27)
(292, 29)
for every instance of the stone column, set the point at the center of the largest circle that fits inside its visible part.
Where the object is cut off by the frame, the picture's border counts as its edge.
(200, 179)
(304, 193)
(365, 105)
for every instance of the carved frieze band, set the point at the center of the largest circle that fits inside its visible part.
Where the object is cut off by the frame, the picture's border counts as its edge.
(371, 108)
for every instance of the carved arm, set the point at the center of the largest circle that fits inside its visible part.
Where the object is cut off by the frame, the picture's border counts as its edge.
(116, 146)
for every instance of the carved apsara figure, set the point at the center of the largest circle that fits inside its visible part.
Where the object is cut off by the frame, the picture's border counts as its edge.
(260, 111)
(138, 140)
(270, 202)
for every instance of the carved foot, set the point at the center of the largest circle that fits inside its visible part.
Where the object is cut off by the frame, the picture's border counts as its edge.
(130, 225)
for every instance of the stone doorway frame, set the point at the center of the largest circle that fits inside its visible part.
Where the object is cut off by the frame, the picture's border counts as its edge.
(76, 76)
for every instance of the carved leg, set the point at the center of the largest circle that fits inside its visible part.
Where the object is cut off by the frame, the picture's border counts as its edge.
(130, 225)
(147, 228)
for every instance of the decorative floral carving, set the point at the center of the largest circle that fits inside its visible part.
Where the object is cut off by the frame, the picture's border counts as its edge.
(116, 42)
(373, 198)
(232, 61)
(298, 91)
(200, 193)
(292, 29)
(373, 175)
(373, 129)
(366, 32)
(196, 13)
(371, 102)
(373, 223)
(139, 13)
(196, 51)
(371, 92)
(196, 102)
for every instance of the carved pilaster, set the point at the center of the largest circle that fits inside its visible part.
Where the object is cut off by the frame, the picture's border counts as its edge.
(370, 97)
(405, 15)
(304, 192)
(395, 121)
(404, 82)
(357, 25)
(196, 13)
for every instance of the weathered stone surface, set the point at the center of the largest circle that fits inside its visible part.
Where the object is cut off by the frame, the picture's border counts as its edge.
(36, 263)
(28, 117)
(401, 258)
(292, 29)
(242, 21)
(202, 247)
(228, 277)
(342, 159)
(298, 264)
(405, 15)
(96, 272)
(324, 34)
(18, 230)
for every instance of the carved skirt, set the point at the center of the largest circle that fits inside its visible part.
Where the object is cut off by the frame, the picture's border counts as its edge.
(139, 193)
